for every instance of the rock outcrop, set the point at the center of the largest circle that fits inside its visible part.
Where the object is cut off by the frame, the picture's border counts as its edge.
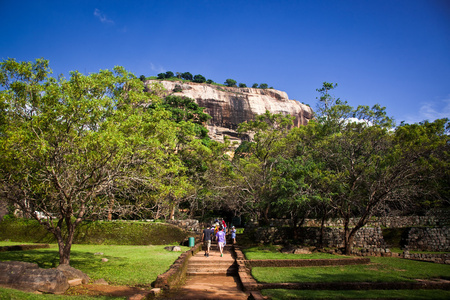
(230, 106)
(30, 278)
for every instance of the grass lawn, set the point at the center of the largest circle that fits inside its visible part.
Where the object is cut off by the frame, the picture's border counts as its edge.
(272, 252)
(8, 243)
(127, 265)
(373, 294)
(381, 269)
(12, 294)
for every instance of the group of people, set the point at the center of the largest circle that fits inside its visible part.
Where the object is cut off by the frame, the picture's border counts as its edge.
(218, 231)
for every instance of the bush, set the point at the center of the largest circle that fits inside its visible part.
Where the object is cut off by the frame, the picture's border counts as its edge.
(98, 232)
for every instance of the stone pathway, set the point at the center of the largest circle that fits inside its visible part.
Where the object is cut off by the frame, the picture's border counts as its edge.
(212, 277)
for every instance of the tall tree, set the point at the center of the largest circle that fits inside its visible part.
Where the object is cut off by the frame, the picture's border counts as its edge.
(67, 145)
(368, 165)
(253, 168)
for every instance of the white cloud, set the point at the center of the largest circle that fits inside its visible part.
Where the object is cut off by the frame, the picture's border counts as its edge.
(431, 111)
(157, 69)
(102, 17)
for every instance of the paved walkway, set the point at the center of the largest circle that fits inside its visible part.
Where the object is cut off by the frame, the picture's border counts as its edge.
(212, 277)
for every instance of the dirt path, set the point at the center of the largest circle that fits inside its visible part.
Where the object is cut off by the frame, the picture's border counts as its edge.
(132, 293)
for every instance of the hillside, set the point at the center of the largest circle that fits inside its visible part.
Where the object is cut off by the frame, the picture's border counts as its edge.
(230, 106)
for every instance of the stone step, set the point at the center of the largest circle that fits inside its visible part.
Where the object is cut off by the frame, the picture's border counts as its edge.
(202, 268)
(211, 273)
(211, 263)
(211, 267)
(201, 271)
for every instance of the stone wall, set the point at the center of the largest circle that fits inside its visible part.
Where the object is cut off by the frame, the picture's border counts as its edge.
(176, 275)
(429, 239)
(437, 218)
(366, 237)
(430, 257)
(188, 225)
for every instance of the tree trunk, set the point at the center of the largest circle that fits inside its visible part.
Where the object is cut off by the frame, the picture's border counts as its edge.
(110, 205)
(172, 211)
(64, 255)
(266, 213)
(157, 213)
(346, 234)
(350, 237)
(349, 243)
(322, 230)
(63, 248)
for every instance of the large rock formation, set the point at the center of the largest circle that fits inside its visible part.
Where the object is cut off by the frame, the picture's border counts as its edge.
(230, 106)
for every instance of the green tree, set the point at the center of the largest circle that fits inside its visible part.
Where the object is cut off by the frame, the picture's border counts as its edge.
(187, 110)
(187, 76)
(263, 86)
(199, 78)
(255, 86)
(230, 82)
(169, 74)
(367, 166)
(74, 148)
(242, 85)
(254, 169)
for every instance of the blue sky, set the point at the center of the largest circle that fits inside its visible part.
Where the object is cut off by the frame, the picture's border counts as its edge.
(392, 52)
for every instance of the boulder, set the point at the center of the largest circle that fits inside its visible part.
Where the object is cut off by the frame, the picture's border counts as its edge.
(173, 248)
(72, 273)
(302, 251)
(30, 278)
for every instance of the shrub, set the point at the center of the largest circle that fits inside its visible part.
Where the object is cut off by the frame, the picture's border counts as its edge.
(98, 232)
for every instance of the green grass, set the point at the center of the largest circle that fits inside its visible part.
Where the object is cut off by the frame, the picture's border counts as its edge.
(127, 265)
(12, 294)
(381, 269)
(276, 294)
(272, 252)
(9, 243)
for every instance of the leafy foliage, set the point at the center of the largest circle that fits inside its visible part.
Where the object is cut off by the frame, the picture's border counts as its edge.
(82, 147)
(230, 82)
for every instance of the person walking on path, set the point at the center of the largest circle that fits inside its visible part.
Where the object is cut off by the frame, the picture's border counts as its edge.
(233, 235)
(220, 240)
(224, 225)
(206, 238)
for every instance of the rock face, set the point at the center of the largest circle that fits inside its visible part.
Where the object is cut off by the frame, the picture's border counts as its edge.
(230, 106)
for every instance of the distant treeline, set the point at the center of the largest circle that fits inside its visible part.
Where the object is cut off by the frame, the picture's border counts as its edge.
(201, 79)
